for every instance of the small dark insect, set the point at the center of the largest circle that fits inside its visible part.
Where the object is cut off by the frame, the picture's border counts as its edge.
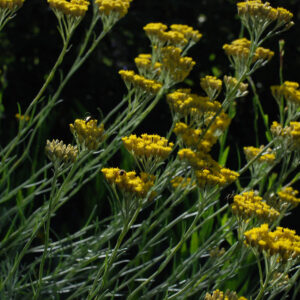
(88, 119)
(122, 172)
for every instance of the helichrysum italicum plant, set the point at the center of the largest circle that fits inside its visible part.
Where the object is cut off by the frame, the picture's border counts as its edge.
(170, 235)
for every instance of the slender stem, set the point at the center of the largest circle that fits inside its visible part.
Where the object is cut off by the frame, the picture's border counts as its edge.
(47, 231)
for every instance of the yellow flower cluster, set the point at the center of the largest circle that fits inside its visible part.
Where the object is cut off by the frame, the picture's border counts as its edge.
(182, 101)
(129, 182)
(176, 66)
(88, 133)
(148, 145)
(191, 137)
(263, 12)
(118, 8)
(57, 151)
(179, 35)
(267, 157)
(288, 195)
(146, 67)
(240, 49)
(282, 241)
(140, 82)
(231, 83)
(289, 90)
(182, 182)
(207, 170)
(219, 295)
(249, 204)
(211, 85)
(75, 8)
(290, 135)
(11, 4)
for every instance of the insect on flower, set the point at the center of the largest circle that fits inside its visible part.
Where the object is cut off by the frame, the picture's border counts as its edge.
(88, 119)
(122, 172)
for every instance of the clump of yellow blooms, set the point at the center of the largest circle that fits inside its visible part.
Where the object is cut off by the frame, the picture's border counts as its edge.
(289, 90)
(119, 8)
(211, 85)
(267, 157)
(257, 13)
(11, 4)
(289, 195)
(182, 182)
(239, 50)
(148, 146)
(22, 117)
(146, 67)
(282, 241)
(249, 204)
(129, 182)
(74, 8)
(289, 135)
(208, 172)
(189, 33)
(184, 102)
(217, 252)
(178, 36)
(219, 295)
(139, 82)
(58, 152)
(87, 133)
(176, 66)
(231, 83)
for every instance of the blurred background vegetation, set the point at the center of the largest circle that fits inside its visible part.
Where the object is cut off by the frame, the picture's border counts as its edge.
(30, 44)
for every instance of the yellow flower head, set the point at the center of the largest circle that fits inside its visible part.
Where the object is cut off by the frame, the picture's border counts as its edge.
(87, 133)
(140, 82)
(146, 67)
(219, 295)
(231, 83)
(249, 204)
(148, 146)
(118, 8)
(289, 195)
(184, 102)
(282, 241)
(11, 4)
(176, 66)
(182, 182)
(240, 49)
(129, 182)
(179, 35)
(57, 151)
(22, 117)
(267, 157)
(211, 85)
(74, 8)
(289, 90)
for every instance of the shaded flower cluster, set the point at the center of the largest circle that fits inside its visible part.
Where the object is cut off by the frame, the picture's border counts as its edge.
(208, 172)
(282, 241)
(289, 90)
(139, 82)
(219, 295)
(239, 51)
(58, 152)
(182, 182)
(231, 84)
(11, 4)
(211, 85)
(289, 136)
(267, 157)
(146, 67)
(75, 8)
(289, 195)
(249, 204)
(129, 182)
(87, 133)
